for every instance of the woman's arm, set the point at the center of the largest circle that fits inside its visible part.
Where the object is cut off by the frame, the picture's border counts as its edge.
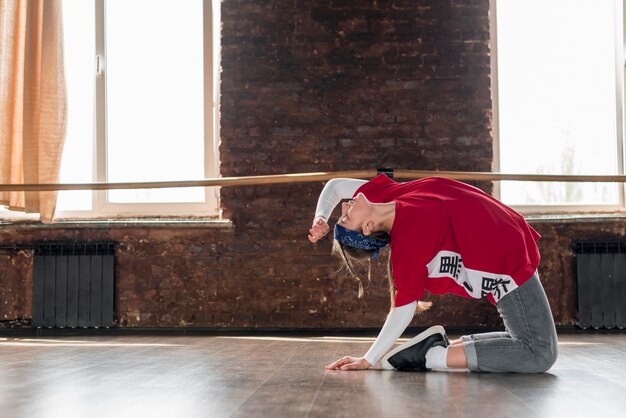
(334, 191)
(396, 323)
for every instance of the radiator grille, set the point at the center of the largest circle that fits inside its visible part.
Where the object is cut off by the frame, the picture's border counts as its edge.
(73, 285)
(601, 277)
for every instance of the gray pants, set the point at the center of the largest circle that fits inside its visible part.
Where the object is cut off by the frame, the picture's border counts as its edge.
(529, 344)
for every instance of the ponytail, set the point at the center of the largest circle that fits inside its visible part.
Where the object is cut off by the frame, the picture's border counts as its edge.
(354, 258)
(422, 306)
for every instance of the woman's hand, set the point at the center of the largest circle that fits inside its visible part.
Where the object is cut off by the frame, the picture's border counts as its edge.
(318, 230)
(349, 363)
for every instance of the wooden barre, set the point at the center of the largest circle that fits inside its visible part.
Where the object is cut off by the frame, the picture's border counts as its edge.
(310, 177)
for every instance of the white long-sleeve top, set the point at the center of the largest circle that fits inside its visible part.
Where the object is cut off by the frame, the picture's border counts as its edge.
(397, 321)
(399, 318)
(334, 191)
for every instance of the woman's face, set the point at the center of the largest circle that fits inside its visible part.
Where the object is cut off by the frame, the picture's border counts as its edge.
(354, 213)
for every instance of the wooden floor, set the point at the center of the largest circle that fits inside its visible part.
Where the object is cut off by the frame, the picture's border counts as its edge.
(282, 376)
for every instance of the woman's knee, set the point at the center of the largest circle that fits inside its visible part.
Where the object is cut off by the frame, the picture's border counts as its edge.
(545, 356)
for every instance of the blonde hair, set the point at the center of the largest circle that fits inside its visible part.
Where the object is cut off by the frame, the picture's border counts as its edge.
(356, 259)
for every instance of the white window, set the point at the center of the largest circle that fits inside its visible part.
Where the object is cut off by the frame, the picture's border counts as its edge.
(558, 95)
(142, 106)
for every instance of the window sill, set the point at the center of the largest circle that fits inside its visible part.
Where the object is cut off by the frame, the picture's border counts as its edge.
(118, 223)
(576, 218)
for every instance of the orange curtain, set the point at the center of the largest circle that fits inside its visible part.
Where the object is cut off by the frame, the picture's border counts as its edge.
(33, 102)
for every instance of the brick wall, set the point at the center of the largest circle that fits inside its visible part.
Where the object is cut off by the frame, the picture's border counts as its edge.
(311, 86)
(342, 85)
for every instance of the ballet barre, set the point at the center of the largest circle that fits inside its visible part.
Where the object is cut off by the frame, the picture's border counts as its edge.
(313, 177)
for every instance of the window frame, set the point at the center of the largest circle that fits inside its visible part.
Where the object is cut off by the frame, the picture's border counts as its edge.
(101, 207)
(620, 74)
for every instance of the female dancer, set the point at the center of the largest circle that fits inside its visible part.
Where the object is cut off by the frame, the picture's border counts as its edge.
(444, 236)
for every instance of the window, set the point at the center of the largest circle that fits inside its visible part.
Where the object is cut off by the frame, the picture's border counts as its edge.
(558, 95)
(141, 105)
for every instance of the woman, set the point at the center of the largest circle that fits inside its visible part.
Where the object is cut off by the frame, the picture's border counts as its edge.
(444, 236)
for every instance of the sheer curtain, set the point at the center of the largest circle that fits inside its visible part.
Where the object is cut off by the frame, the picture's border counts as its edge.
(33, 104)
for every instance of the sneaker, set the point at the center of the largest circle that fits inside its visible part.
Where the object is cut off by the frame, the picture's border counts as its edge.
(411, 356)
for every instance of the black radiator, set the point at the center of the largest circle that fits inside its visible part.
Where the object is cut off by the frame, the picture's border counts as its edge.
(73, 285)
(601, 273)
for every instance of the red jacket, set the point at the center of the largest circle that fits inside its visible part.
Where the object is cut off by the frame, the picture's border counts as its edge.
(450, 237)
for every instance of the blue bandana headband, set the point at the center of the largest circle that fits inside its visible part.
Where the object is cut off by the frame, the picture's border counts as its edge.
(359, 241)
